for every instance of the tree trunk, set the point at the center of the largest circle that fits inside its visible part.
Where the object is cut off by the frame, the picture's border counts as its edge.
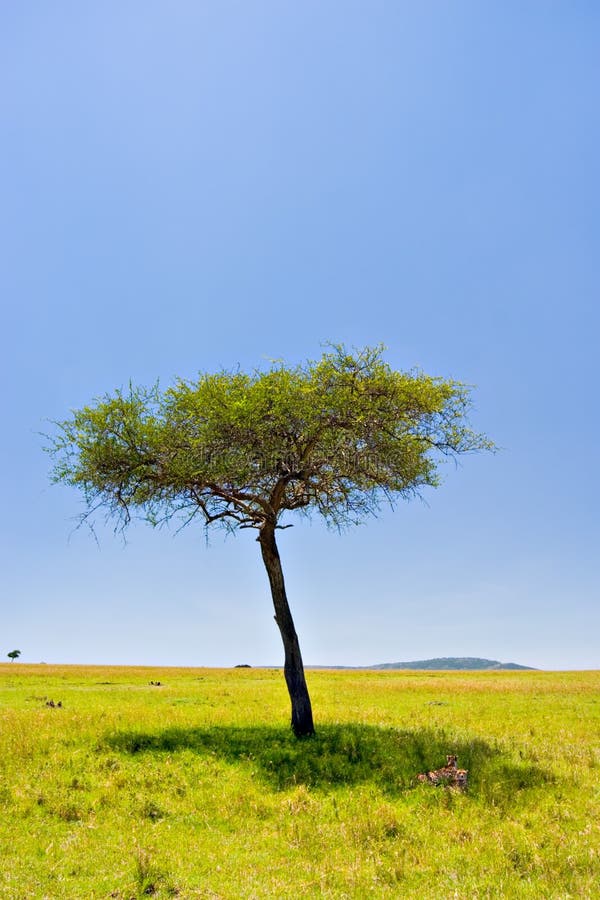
(302, 719)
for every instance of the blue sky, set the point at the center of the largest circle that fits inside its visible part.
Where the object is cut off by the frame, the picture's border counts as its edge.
(200, 185)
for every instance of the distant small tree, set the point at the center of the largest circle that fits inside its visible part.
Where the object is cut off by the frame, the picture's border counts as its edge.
(14, 654)
(333, 437)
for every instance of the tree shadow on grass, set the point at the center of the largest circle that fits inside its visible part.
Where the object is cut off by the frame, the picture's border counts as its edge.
(341, 755)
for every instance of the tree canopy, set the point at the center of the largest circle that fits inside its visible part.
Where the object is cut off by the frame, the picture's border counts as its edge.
(336, 436)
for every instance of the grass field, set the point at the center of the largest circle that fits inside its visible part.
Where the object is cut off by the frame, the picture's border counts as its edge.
(197, 788)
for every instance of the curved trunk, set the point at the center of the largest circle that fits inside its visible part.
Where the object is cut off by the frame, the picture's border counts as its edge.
(302, 719)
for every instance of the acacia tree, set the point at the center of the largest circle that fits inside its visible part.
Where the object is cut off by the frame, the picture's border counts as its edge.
(14, 654)
(335, 437)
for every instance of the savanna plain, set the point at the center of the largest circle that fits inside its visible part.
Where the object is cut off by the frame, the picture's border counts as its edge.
(196, 787)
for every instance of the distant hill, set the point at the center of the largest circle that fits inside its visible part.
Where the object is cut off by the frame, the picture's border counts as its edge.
(451, 662)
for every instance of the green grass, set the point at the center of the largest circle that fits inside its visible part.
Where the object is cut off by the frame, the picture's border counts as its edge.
(197, 788)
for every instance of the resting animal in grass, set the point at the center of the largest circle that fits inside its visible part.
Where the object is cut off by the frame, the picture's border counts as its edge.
(448, 775)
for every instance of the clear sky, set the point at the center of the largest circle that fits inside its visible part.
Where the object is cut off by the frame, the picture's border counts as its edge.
(195, 185)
